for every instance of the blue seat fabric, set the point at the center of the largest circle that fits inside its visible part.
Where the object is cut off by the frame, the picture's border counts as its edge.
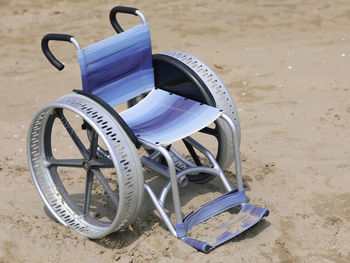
(166, 118)
(118, 68)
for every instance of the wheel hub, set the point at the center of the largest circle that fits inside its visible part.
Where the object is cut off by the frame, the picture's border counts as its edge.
(86, 166)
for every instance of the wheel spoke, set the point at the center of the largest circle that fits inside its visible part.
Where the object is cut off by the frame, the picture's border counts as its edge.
(106, 186)
(72, 133)
(62, 190)
(65, 162)
(192, 153)
(93, 145)
(88, 188)
(101, 163)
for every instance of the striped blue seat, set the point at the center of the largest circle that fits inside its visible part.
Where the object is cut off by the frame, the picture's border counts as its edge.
(119, 68)
(165, 118)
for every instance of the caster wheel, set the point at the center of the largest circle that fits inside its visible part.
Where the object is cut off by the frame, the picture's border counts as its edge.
(82, 188)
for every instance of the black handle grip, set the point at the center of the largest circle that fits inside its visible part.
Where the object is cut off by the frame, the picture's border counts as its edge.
(120, 9)
(45, 47)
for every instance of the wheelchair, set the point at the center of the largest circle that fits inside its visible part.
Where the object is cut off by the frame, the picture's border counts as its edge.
(171, 96)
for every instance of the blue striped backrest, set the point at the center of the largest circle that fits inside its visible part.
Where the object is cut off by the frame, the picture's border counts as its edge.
(118, 68)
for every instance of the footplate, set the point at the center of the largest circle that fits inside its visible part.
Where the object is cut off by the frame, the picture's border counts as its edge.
(248, 216)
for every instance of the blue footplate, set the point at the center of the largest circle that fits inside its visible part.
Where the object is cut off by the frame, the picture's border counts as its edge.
(248, 216)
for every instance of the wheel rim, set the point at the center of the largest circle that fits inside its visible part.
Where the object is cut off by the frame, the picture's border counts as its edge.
(52, 187)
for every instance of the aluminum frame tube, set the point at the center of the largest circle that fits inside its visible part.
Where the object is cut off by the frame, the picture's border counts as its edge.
(160, 209)
(166, 188)
(173, 179)
(236, 150)
(162, 169)
(212, 159)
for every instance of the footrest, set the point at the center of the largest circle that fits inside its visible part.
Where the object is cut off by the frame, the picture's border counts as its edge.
(248, 216)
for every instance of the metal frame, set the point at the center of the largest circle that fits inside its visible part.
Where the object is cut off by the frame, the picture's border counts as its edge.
(174, 177)
(141, 16)
(76, 43)
(138, 13)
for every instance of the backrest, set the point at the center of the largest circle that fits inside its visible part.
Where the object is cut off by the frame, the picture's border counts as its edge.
(118, 68)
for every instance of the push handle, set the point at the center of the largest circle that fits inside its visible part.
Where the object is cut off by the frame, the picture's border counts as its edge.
(47, 52)
(125, 10)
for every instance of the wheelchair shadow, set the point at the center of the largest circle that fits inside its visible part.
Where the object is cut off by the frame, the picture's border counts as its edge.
(125, 237)
(253, 231)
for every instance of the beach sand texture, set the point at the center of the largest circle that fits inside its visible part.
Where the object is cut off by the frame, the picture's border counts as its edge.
(286, 65)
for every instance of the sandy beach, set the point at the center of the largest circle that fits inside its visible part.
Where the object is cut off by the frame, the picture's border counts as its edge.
(286, 65)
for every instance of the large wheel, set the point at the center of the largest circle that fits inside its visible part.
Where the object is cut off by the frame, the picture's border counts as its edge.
(185, 75)
(92, 193)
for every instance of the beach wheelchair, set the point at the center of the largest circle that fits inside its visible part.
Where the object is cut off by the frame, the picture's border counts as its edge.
(170, 96)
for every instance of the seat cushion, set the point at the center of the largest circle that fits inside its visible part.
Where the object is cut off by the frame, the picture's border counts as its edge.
(164, 118)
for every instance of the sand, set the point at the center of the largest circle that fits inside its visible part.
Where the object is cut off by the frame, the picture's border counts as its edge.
(286, 65)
